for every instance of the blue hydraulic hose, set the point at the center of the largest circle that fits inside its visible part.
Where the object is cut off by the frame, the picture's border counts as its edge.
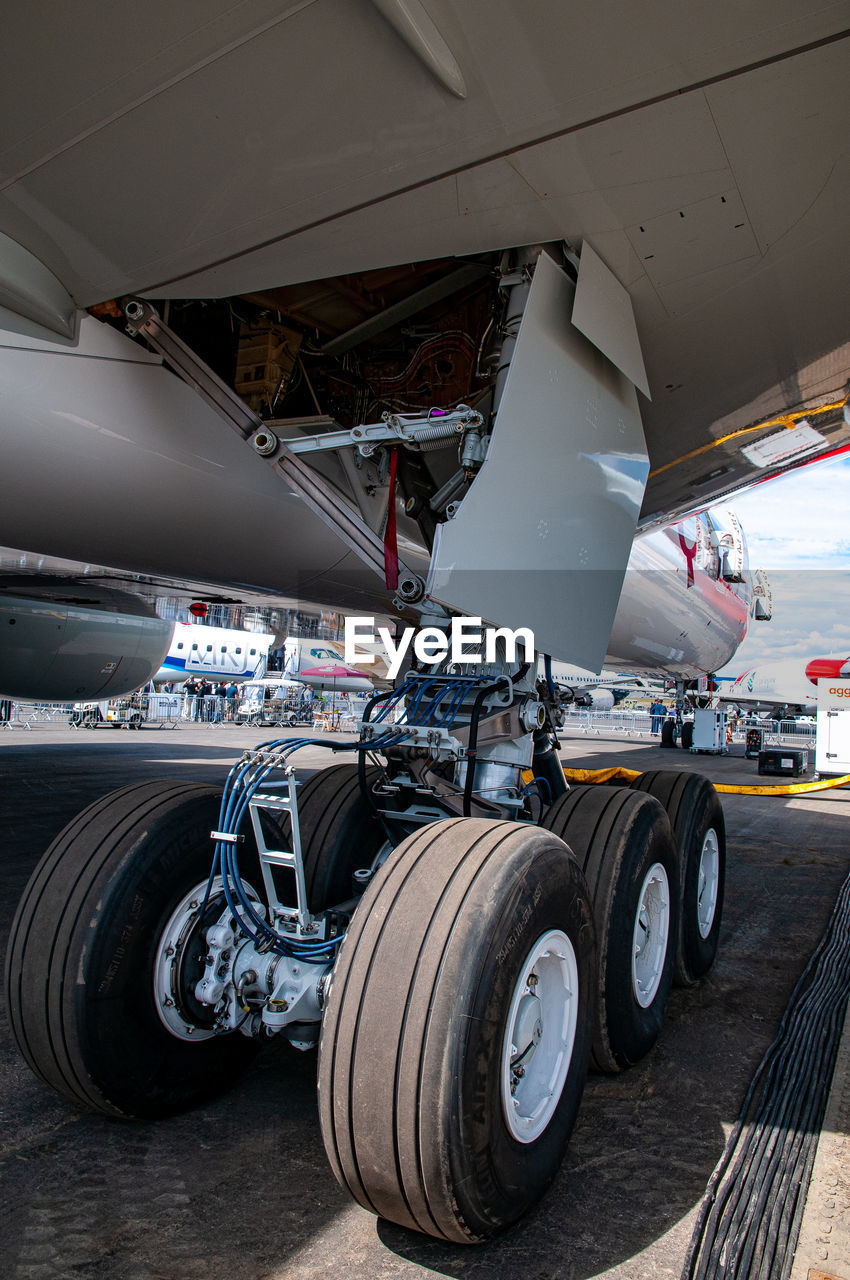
(242, 783)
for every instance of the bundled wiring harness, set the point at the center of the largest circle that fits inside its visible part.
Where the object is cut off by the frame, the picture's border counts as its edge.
(432, 702)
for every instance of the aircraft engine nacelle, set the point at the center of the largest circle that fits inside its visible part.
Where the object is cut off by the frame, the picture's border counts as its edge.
(69, 652)
(594, 699)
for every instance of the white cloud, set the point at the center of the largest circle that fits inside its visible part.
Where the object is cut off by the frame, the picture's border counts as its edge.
(798, 530)
(811, 618)
(801, 520)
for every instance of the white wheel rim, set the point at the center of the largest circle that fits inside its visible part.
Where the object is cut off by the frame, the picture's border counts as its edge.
(708, 882)
(649, 936)
(539, 1035)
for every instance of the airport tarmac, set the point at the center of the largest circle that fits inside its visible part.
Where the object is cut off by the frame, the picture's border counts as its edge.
(241, 1190)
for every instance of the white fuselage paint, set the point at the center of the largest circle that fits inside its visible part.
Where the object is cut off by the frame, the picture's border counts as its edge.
(790, 682)
(219, 653)
(302, 657)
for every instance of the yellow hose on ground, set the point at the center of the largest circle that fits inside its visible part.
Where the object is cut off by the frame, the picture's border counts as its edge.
(793, 789)
(600, 775)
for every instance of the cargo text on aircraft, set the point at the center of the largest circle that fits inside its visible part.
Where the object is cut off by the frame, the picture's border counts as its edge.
(467, 640)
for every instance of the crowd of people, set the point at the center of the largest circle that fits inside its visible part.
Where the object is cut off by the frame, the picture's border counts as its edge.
(204, 700)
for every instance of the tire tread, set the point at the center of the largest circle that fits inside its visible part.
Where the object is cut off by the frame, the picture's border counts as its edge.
(396, 965)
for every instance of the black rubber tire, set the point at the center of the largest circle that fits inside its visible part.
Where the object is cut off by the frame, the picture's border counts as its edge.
(410, 1052)
(668, 733)
(687, 735)
(340, 832)
(617, 835)
(693, 807)
(79, 969)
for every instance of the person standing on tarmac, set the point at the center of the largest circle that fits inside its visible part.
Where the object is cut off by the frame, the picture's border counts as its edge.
(190, 699)
(657, 711)
(204, 691)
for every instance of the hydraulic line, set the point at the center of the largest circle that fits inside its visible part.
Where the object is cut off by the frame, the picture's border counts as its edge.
(252, 771)
(749, 1221)
(244, 780)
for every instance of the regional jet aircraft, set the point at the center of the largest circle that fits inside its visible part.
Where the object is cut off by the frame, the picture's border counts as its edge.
(220, 653)
(789, 686)
(399, 278)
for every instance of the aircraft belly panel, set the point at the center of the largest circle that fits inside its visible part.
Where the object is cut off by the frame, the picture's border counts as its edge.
(544, 534)
(118, 463)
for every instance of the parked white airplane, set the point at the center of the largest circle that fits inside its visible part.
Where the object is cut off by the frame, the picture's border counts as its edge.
(604, 691)
(219, 653)
(788, 685)
(314, 663)
(441, 423)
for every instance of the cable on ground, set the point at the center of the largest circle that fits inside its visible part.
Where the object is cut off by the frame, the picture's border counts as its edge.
(749, 1221)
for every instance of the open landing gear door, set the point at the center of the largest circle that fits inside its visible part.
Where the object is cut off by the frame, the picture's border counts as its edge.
(544, 533)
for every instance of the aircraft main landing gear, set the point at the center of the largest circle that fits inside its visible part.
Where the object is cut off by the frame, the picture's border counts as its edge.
(457, 947)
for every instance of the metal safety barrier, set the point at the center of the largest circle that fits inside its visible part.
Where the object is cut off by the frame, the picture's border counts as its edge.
(628, 723)
(776, 733)
(162, 710)
(23, 715)
(207, 709)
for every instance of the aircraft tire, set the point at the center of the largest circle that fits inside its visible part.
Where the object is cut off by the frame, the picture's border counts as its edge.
(668, 733)
(628, 856)
(81, 958)
(340, 833)
(687, 735)
(423, 1118)
(696, 816)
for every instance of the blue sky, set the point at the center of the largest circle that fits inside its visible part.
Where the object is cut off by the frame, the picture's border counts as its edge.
(798, 531)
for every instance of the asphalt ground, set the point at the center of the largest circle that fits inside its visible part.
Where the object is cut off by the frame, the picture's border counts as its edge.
(241, 1190)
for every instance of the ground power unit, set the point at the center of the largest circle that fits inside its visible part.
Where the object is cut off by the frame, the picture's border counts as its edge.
(832, 743)
(709, 731)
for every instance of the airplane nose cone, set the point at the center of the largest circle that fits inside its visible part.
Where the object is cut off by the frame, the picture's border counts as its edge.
(827, 669)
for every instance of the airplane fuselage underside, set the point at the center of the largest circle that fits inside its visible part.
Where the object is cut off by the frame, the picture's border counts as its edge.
(143, 476)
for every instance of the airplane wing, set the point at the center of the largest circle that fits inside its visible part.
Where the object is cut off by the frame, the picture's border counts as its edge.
(197, 151)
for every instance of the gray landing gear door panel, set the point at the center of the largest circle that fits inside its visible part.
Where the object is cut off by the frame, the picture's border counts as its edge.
(545, 532)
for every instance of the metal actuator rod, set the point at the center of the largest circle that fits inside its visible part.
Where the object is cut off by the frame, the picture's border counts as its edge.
(395, 428)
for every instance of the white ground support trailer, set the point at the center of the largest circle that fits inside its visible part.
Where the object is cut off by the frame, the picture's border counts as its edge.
(127, 713)
(457, 931)
(272, 701)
